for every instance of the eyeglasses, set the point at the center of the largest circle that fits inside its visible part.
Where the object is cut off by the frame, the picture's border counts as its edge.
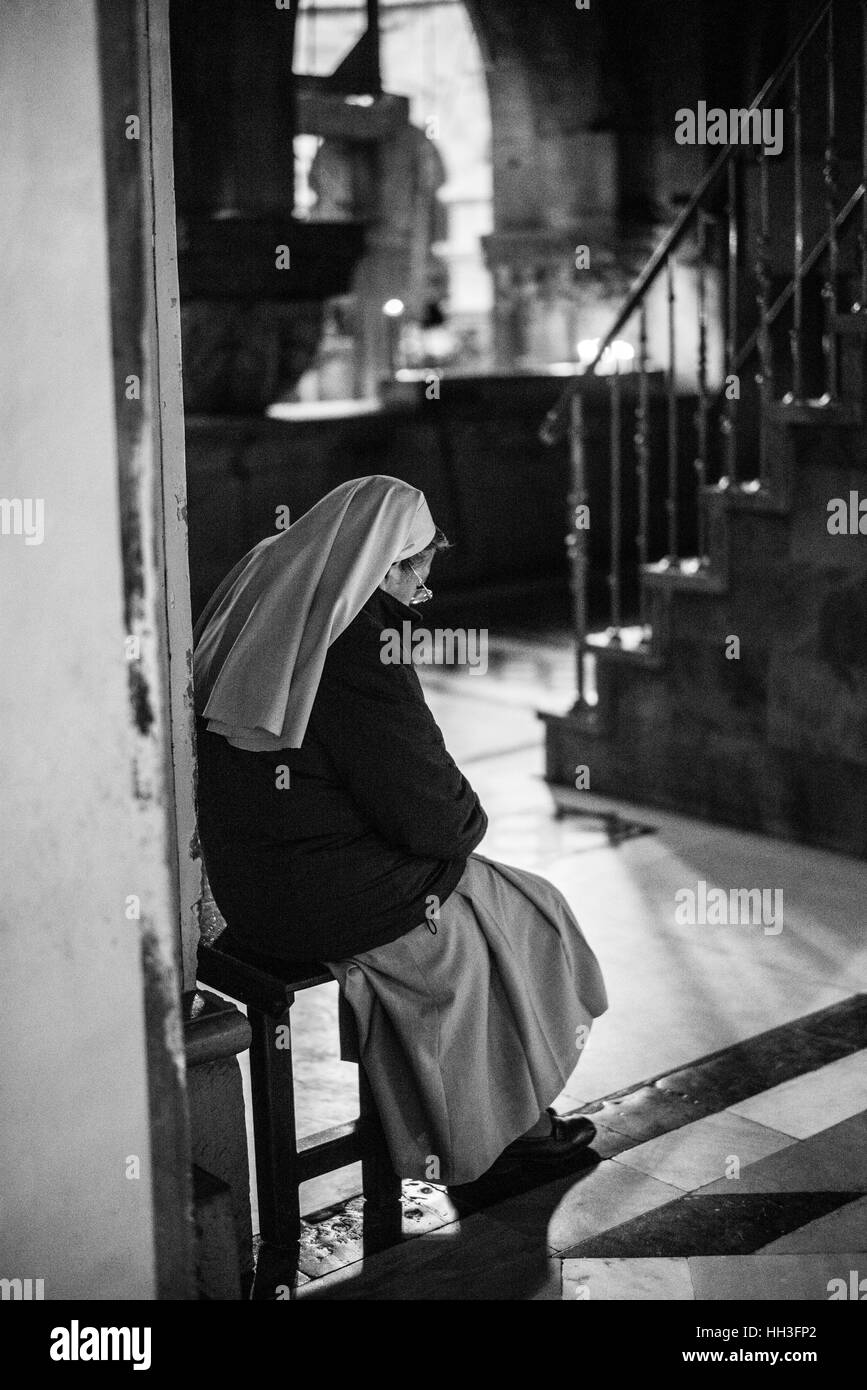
(426, 592)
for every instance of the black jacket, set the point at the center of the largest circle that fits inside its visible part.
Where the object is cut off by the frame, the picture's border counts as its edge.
(376, 818)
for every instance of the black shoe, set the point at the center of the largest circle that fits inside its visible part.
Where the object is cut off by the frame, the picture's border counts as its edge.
(569, 1134)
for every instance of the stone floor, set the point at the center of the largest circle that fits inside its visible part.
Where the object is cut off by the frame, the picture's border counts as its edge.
(698, 1187)
(695, 1188)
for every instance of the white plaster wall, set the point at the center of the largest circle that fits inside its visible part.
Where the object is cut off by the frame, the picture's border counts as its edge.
(73, 1097)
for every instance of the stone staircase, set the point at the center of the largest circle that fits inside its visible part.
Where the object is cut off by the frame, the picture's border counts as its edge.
(742, 697)
(775, 739)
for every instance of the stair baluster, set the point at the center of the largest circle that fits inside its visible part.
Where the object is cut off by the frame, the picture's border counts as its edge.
(796, 330)
(673, 557)
(730, 419)
(642, 457)
(830, 172)
(576, 543)
(701, 418)
(862, 306)
(614, 638)
(763, 300)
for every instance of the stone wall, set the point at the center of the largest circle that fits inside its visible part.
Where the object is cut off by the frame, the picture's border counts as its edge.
(78, 1209)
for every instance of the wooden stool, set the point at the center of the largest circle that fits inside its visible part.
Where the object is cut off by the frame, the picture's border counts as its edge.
(267, 988)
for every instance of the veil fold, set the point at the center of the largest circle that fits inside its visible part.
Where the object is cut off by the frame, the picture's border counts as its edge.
(262, 639)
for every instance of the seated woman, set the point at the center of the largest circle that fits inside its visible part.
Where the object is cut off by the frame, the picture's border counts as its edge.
(335, 827)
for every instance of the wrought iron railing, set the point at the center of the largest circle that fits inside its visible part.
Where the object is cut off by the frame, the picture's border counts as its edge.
(714, 219)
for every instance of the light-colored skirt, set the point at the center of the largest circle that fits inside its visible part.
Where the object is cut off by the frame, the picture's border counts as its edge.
(467, 1035)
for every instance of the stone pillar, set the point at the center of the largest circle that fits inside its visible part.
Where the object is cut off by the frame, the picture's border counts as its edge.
(215, 1032)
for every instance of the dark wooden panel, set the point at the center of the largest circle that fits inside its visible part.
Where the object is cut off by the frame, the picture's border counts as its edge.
(236, 258)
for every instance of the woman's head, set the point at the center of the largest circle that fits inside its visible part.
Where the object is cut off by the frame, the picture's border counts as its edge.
(406, 580)
(262, 640)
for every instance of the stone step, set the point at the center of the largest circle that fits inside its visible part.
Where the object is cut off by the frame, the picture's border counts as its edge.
(616, 647)
(688, 574)
(696, 770)
(758, 540)
(821, 411)
(750, 497)
(854, 323)
(705, 684)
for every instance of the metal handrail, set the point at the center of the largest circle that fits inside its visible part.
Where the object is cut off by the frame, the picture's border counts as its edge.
(738, 348)
(554, 423)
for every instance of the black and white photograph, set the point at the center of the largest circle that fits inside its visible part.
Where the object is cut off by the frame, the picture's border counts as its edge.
(433, 672)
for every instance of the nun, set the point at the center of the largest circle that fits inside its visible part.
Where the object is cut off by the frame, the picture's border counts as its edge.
(335, 827)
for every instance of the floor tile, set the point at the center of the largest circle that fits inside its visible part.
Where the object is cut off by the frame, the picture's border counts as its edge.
(696, 992)
(609, 1142)
(340, 1186)
(336, 1239)
(675, 1007)
(807, 1104)
(477, 1260)
(400, 1261)
(846, 1024)
(753, 1066)
(645, 1113)
(776, 1278)
(599, 1281)
(723, 1224)
(573, 1210)
(843, 1229)
(833, 1161)
(695, 1154)
(435, 1201)
(503, 1184)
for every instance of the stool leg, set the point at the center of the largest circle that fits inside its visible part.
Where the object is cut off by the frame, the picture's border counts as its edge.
(383, 1214)
(383, 1221)
(274, 1128)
